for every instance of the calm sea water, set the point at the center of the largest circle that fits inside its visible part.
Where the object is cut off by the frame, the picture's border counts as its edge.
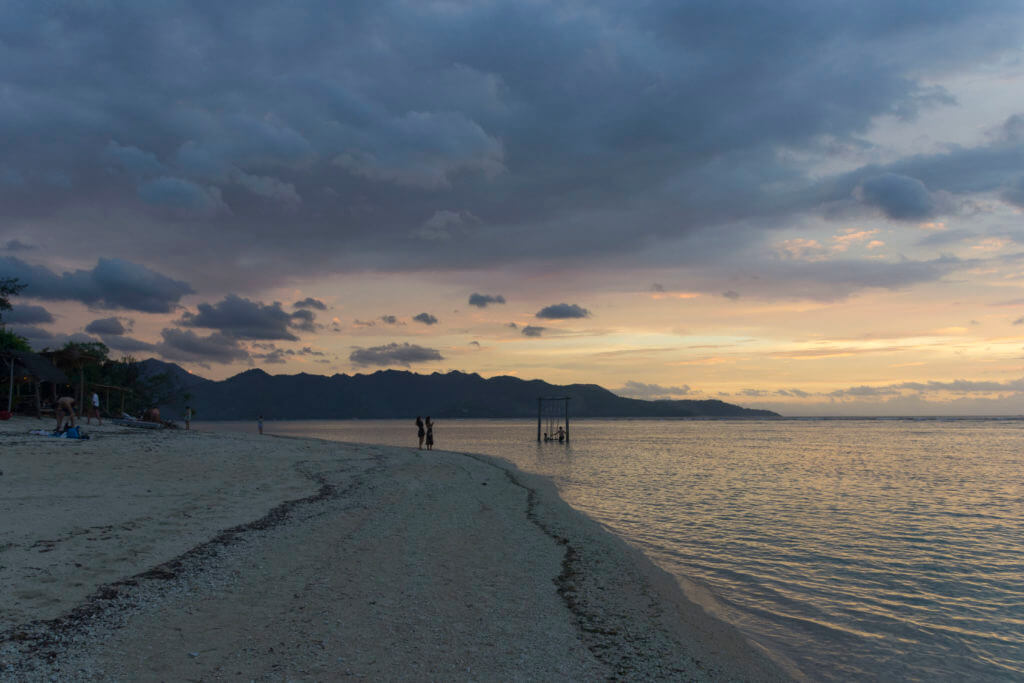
(856, 549)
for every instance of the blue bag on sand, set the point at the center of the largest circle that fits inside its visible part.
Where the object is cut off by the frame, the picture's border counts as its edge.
(72, 433)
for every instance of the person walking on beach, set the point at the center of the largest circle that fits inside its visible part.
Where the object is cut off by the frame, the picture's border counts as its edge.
(66, 407)
(419, 430)
(430, 434)
(259, 424)
(94, 411)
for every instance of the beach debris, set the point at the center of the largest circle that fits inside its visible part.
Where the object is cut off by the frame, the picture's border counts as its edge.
(193, 654)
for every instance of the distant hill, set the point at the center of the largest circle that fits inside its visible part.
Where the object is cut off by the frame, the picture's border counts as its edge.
(400, 394)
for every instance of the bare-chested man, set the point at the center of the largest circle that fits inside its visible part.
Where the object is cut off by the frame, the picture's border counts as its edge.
(65, 406)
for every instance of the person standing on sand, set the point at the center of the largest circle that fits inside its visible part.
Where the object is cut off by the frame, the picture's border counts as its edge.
(188, 418)
(259, 424)
(430, 434)
(94, 411)
(66, 406)
(419, 430)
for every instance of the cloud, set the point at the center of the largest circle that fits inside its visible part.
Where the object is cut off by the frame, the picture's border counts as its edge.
(303, 320)
(481, 300)
(17, 245)
(445, 225)
(562, 311)
(394, 354)
(27, 314)
(241, 318)
(389, 319)
(512, 325)
(425, 318)
(474, 343)
(113, 283)
(898, 196)
(310, 302)
(651, 392)
(186, 345)
(127, 344)
(178, 193)
(111, 326)
(461, 129)
(532, 330)
(731, 294)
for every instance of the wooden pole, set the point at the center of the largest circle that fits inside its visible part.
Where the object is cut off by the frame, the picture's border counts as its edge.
(567, 420)
(539, 401)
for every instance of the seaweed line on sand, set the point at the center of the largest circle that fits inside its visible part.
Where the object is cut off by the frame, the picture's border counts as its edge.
(624, 649)
(44, 638)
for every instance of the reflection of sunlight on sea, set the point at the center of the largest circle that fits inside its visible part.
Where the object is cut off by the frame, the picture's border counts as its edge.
(855, 548)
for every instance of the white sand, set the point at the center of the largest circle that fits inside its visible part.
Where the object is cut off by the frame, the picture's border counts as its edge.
(391, 564)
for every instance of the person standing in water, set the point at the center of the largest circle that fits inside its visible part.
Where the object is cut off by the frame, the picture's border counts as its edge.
(430, 434)
(419, 430)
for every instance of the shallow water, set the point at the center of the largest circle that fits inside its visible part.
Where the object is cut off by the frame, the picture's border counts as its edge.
(867, 549)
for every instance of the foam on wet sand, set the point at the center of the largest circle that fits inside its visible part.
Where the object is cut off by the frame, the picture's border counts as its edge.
(170, 555)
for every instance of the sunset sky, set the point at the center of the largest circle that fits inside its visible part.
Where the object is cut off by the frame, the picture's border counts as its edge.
(812, 206)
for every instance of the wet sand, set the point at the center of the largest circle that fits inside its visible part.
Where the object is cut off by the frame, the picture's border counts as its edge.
(170, 555)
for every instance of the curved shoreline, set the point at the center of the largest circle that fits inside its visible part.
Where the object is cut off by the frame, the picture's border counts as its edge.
(448, 562)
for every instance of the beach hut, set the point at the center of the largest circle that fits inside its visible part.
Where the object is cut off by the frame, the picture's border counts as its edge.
(25, 367)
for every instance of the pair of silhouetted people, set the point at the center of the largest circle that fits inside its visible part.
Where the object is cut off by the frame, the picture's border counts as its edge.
(425, 430)
(557, 436)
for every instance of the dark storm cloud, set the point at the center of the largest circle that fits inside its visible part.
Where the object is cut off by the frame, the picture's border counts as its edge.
(533, 330)
(113, 283)
(390, 320)
(898, 196)
(425, 318)
(186, 345)
(244, 319)
(563, 311)
(17, 245)
(27, 314)
(106, 326)
(310, 302)
(303, 320)
(394, 354)
(125, 344)
(481, 300)
(34, 334)
(470, 123)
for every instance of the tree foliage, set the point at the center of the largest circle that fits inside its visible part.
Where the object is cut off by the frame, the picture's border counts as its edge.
(9, 286)
(13, 342)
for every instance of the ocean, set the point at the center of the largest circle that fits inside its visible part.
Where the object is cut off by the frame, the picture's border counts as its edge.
(850, 548)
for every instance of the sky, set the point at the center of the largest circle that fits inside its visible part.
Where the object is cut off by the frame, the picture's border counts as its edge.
(807, 206)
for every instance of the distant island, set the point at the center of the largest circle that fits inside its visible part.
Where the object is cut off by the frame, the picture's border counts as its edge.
(390, 394)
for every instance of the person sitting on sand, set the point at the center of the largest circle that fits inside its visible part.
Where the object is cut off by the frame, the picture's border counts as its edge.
(152, 415)
(430, 434)
(420, 432)
(65, 407)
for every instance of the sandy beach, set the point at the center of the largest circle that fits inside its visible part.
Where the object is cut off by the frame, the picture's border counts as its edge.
(173, 555)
